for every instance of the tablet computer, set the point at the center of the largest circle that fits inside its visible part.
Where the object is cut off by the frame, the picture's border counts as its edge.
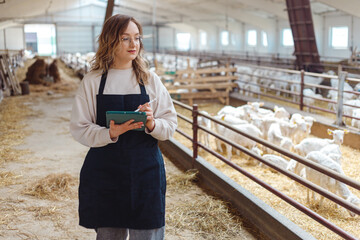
(124, 116)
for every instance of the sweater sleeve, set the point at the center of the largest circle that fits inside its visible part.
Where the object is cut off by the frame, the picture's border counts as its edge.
(83, 125)
(164, 112)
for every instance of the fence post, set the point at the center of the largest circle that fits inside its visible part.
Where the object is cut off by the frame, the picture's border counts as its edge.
(195, 133)
(339, 108)
(302, 80)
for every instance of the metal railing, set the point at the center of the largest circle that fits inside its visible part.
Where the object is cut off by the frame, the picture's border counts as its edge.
(342, 78)
(267, 59)
(304, 182)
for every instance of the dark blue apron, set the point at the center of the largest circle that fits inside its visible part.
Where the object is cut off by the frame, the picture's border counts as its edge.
(123, 184)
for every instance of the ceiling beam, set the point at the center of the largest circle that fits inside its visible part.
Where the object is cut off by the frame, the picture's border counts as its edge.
(349, 6)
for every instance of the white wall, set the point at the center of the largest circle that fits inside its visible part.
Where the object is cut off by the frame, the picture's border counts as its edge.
(72, 39)
(336, 21)
(319, 32)
(167, 39)
(14, 38)
(281, 49)
(356, 33)
(185, 28)
(2, 38)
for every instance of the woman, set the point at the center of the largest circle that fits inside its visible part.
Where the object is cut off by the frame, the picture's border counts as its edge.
(122, 181)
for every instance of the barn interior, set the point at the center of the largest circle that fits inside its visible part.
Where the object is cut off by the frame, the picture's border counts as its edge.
(267, 94)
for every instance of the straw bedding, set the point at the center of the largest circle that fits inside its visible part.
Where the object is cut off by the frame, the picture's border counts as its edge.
(53, 187)
(338, 216)
(203, 214)
(12, 112)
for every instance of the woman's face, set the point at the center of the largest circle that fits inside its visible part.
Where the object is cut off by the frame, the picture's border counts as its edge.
(129, 46)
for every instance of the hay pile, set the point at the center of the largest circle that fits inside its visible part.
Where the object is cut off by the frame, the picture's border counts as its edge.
(182, 181)
(12, 113)
(36, 72)
(338, 216)
(204, 216)
(54, 71)
(65, 80)
(53, 187)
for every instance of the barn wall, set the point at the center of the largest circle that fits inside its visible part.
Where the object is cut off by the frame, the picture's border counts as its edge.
(2, 38)
(12, 38)
(72, 39)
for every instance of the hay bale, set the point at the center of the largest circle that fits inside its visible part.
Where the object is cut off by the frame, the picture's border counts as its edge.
(53, 187)
(54, 71)
(36, 72)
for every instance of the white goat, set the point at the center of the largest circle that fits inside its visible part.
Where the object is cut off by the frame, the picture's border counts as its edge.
(333, 151)
(276, 160)
(205, 122)
(313, 144)
(238, 138)
(327, 182)
(280, 112)
(275, 137)
(355, 122)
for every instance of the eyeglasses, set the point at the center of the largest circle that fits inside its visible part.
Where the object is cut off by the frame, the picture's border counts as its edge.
(128, 40)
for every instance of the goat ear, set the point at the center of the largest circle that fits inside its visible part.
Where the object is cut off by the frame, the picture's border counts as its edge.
(261, 104)
(346, 131)
(329, 132)
(249, 103)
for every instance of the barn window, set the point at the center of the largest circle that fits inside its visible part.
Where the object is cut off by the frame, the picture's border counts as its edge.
(339, 37)
(183, 41)
(225, 38)
(252, 38)
(264, 39)
(40, 39)
(203, 38)
(287, 38)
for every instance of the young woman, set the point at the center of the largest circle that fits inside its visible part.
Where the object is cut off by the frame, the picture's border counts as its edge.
(122, 181)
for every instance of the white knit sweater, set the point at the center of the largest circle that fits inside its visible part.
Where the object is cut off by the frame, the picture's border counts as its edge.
(83, 116)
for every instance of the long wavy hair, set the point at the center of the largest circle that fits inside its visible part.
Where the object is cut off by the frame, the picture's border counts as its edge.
(109, 40)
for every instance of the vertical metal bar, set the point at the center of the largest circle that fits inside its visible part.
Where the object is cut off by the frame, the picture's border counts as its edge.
(339, 108)
(302, 80)
(153, 28)
(195, 133)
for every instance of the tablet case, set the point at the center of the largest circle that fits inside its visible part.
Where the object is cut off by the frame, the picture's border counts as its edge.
(123, 116)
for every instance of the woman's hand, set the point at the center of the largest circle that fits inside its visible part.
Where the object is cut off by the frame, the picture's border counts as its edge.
(118, 129)
(150, 122)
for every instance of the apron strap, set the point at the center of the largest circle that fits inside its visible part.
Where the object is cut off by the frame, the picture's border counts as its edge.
(102, 83)
(142, 88)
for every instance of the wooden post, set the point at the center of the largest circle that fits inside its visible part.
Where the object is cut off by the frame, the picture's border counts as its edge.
(195, 133)
(302, 80)
(339, 108)
(109, 9)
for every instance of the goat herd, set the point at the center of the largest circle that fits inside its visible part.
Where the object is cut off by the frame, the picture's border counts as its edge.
(251, 80)
(290, 133)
